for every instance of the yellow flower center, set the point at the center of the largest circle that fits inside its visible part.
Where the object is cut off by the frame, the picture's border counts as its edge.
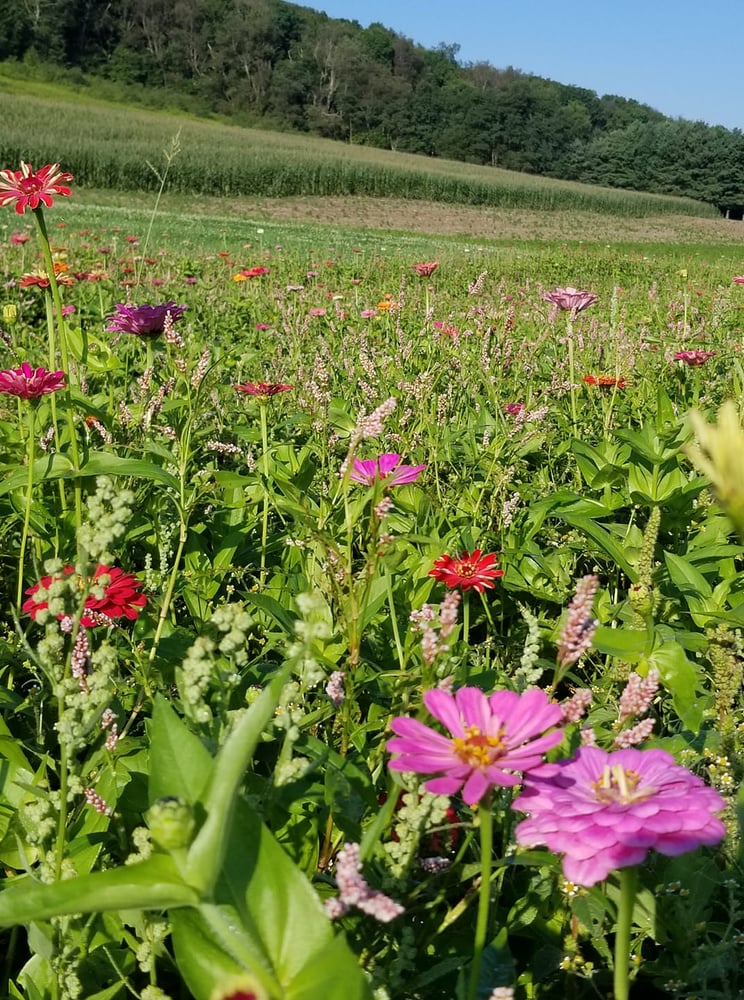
(478, 749)
(620, 786)
(463, 567)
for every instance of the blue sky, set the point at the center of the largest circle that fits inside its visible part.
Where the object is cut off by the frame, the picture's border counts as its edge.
(683, 58)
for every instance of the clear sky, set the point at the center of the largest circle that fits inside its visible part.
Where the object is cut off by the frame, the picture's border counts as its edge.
(683, 57)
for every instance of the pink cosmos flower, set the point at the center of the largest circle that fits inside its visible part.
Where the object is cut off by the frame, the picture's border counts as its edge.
(571, 298)
(28, 189)
(694, 358)
(493, 739)
(30, 383)
(605, 810)
(143, 321)
(387, 468)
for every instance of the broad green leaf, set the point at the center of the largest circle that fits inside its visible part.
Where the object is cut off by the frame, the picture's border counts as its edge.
(679, 676)
(152, 884)
(628, 644)
(207, 852)
(687, 579)
(180, 764)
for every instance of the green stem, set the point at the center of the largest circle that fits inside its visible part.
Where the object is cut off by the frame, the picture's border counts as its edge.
(29, 496)
(485, 817)
(265, 467)
(572, 374)
(394, 620)
(621, 981)
(64, 355)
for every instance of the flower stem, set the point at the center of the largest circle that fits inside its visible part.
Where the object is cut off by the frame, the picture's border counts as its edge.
(29, 495)
(394, 620)
(265, 468)
(572, 374)
(621, 982)
(485, 817)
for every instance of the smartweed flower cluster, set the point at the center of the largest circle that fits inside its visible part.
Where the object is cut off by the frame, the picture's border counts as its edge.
(373, 618)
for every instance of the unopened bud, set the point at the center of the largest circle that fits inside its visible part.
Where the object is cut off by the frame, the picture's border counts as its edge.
(171, 822)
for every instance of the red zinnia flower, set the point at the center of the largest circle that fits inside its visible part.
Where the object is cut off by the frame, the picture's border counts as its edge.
(250, 272)
(121, 596)
(605, 381)
(427, 269)
(466, 571)
(262, 389)
(30, 383)
(28, 189)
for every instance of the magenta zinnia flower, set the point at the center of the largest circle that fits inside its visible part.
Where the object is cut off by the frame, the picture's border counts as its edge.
(143, 321)
(493, 739)
(387, 468)
(262, 389)
(694, 358)
(571, 298)
(605, 810)
(28, 189)
(30, 383)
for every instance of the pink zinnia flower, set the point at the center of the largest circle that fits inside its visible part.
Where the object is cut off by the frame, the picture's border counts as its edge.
(143, 321)
(387, 468)
(738, 280)
(694, 358)
(427, 269)
(19, 238)
(606, 810)
(493, 739)
(28, 189)
(262, 389)
(571, 298)
(30, 383)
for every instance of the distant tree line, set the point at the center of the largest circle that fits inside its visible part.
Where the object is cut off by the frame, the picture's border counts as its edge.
(290, 67)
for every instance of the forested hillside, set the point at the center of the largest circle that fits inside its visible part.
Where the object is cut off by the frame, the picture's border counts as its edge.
(290, 67)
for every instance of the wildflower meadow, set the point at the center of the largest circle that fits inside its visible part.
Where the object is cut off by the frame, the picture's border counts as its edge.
(372, 625)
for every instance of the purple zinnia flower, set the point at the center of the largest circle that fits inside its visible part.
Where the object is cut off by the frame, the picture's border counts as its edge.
(387, 468)
(571, 298)
(606, 810)
(143, 321)
(493, 739)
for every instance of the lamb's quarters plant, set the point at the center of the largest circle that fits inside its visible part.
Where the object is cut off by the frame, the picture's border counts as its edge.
(255, 532)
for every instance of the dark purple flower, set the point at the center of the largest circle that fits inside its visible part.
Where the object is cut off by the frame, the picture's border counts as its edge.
(143, 321)
(606, 810)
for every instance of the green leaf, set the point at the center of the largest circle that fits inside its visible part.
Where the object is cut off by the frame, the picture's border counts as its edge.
(152, 884)
(180, 764)
(680, 677)
(628, 644)
(207, 852)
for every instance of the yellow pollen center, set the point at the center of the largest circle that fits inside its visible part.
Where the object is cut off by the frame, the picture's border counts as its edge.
(464, 568)
(619, 786)
(476, 748)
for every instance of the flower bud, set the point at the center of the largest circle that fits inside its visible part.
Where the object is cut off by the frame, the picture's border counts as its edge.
(171, 822)
(10, 313)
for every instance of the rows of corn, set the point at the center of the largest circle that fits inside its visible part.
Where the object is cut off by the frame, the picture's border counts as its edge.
(108, 146)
